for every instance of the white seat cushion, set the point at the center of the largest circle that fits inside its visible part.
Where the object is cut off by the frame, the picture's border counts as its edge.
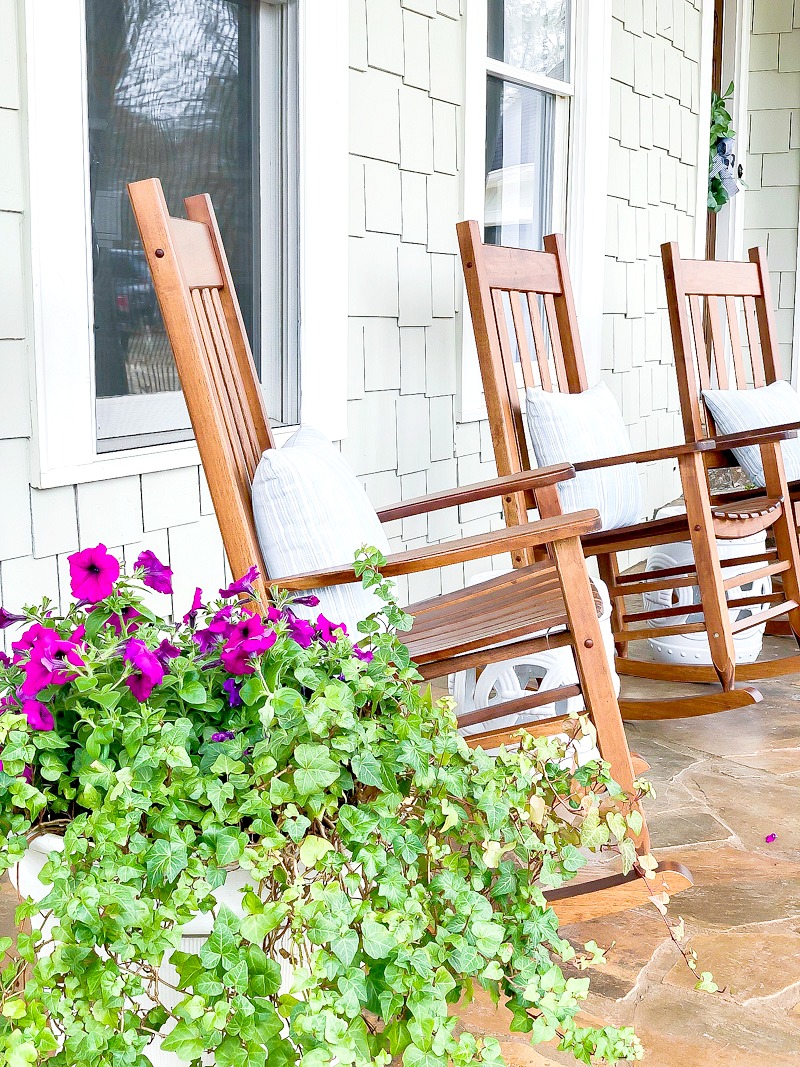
(735, 410)
(578, 426)
(311, 512)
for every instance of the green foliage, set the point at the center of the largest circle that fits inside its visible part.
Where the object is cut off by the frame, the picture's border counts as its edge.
(721, 127)
(393, 868)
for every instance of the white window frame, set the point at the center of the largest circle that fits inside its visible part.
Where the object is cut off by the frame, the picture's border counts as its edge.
(61, 319)
(581, 211)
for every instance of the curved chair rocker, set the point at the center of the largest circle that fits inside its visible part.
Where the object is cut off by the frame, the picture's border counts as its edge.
(710, 353)
(480, 625)
(505, 287)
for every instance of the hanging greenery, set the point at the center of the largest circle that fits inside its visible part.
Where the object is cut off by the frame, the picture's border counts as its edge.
(722, 181)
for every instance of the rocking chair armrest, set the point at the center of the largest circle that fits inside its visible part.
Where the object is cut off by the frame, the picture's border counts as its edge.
(650, 455)
(478, 546)
(465, 494)
(784, 432)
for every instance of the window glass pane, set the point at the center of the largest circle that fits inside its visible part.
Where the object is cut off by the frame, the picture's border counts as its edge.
(530, 34)
(171, 93)
(519, 164)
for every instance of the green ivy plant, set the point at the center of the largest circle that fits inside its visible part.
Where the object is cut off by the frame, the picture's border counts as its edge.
(393, 868)
(721, 127)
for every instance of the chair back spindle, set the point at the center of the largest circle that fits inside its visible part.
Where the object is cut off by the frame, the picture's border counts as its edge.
(526, 329)
(723, 330)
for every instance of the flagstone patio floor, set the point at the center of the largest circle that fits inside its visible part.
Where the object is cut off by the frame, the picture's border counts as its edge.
(724, 784)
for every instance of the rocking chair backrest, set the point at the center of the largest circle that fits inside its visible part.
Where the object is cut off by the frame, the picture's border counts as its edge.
(523, 315)
(205, 328)
(708, 303)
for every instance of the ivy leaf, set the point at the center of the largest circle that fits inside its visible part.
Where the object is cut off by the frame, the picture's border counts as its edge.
(416, 1057)
(316, 770)
(378, 941)
(313, 849)
(254, 928)
(164, 861)
(185, 1041)
(229, 846)
(572, 859)
(231, 1053)
(345, 947)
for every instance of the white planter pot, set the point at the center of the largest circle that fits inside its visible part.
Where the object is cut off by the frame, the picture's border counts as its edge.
(24, 877)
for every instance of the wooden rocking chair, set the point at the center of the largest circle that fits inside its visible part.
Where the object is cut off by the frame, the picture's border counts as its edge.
(709, 353)
(508, 284)
(480, 625)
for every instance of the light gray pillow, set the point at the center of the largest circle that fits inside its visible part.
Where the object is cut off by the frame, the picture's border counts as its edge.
(578, 426)
(735, 410)
(311, 512)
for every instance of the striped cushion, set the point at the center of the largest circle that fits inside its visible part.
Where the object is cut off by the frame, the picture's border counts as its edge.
(735, 410)
(311, 512)
(587, 425)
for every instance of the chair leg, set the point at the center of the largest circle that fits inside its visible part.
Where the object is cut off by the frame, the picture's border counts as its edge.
(784, 529)
(709, 571)
(593, 668)
(609, 572)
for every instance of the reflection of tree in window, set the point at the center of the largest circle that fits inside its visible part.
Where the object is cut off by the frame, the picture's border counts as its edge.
(530, 34)
(170, 94)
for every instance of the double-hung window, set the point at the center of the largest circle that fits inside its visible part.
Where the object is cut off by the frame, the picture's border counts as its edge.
(528, 90)
(203, 94)
(536, 144)
(243, 99)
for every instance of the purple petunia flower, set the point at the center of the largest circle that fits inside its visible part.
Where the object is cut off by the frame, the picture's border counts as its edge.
(242, 585)
(8, 618)
(38, 715)
(363, 654)
(5, 661)
(301, 631)
(223, 735)
(155, 574)
(206, 639)
(330, 632)
(231, 689)
(197, 604)
(221, 620)
(47, 660)
(165, 652)
(92, 574)
(310, 601)
(236, 657)
(247, 638)
(147, 671)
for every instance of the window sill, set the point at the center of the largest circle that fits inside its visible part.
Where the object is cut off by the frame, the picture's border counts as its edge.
(135, 461)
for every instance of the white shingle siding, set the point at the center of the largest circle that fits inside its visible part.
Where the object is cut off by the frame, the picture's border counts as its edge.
(652, 193)
(772, 162)
(406, 136)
